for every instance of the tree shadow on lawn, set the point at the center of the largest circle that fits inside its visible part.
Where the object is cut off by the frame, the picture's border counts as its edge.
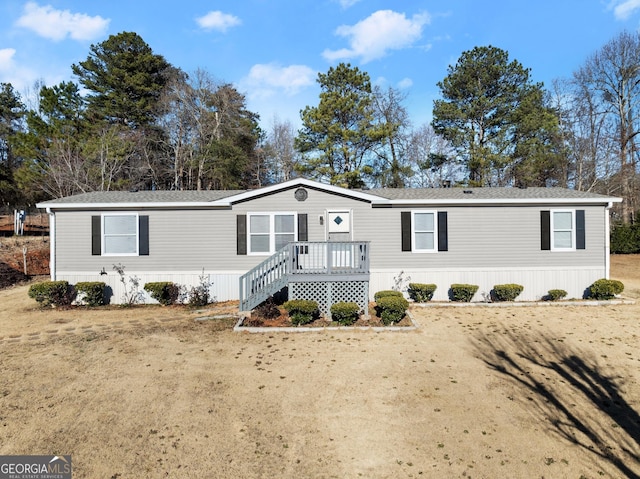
(568, 391)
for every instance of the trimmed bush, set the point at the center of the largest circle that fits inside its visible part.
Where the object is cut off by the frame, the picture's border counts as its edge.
(462, 293)
(555, 294)
(301, 311)
(90, 293)
(605, 289)
(391, 309)
(345, 313)
(51, 293)
(421, 293)
(385, 293)
(164, 292)
(506, 292)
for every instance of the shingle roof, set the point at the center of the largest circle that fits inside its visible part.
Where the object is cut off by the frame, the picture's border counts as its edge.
(481, 193)
(172, 196)
(377, 196)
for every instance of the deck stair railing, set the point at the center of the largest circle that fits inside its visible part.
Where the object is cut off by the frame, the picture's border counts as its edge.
(264, 280)
(304, 261)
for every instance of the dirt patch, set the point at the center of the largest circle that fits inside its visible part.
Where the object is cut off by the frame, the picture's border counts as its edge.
(12, 259)
(473, 392)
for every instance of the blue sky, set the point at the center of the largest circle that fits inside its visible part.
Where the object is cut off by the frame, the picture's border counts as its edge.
(272, 50)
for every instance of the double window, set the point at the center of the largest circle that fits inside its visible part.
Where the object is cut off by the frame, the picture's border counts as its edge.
(268, 232)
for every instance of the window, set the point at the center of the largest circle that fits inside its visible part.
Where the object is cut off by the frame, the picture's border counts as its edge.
(424, 231)
(120, 234)
(269, 232)
(562, 230)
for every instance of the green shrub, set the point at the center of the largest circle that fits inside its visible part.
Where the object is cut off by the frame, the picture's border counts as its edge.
(625, 239)
(555, 294)
(90, 293)
(301, 311)
(421, 293)
(391, 309)
(462, 293)
(345, 313)
(506, 292)
(386, 292)
(164, 292)
(51, 293)
(605, 289)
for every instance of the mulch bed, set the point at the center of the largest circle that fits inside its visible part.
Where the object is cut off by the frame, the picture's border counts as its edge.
(283, 321)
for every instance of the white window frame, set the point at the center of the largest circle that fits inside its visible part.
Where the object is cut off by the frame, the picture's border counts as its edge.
(553, 230)
(272, 234)
(414, 248)
(103, 234)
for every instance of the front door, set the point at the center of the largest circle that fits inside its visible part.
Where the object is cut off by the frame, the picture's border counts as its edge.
(338, 231)
(339, 225)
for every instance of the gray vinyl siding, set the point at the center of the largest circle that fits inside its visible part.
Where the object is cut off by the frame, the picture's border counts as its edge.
(316, 205)
(481, 237)
(190, 240)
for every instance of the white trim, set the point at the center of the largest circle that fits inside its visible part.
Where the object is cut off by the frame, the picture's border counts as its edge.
(103, 234)
(494, 201)
(302, 182)
(607, 241)
(414, 249)
(52, 244)
(552, 229)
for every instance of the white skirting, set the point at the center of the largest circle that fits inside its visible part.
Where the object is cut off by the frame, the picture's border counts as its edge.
(536, 281)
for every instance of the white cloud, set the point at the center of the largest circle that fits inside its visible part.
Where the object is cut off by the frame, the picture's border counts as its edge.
(624, 10)
(58, 24)
(218, 21)
(12, 72)
(6, 59)
(374, 36)
(269, 79)
(405, 83)
(347, 3)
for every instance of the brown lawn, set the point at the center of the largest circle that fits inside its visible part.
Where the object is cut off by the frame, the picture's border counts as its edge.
(484, 392)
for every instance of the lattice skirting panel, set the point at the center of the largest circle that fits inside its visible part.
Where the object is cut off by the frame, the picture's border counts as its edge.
(326, 293)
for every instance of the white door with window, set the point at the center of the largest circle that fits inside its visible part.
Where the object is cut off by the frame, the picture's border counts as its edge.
(339, 228)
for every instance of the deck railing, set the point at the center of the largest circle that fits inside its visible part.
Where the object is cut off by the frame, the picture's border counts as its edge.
(303, 261)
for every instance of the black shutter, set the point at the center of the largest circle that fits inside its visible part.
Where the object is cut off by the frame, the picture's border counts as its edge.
(443, 235)
(143, 231)
(241, 237)
(405, 227)
(580, 230)
(96, 236)
(545, 230)
(303, 234)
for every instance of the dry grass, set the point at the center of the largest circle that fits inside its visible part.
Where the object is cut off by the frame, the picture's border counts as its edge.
(475, 392)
